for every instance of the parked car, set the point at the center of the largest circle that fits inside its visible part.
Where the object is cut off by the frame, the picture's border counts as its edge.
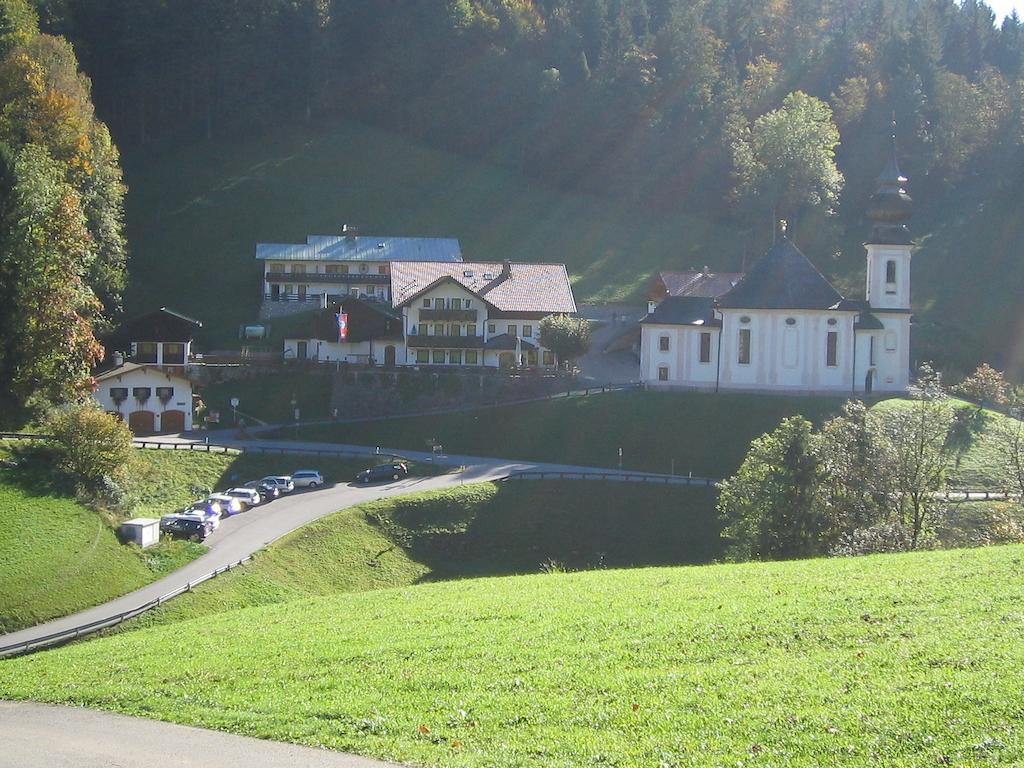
(185, 526)
(383, 472)
(307, 478)
(283, 482)
(208, 506)
(266, 490)
(229, 505)
(250, 497)
(210, 510)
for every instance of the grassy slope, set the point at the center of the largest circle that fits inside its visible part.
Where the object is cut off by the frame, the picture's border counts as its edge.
(268, 397)
(477, 529)
(707, 434)
(888, 660)
(195, 215)
(978, 465)
(57, 557)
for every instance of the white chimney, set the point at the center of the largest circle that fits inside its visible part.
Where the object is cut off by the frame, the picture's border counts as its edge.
(118, 359)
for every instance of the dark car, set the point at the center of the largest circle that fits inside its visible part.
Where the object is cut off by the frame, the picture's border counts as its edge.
(267, 490)
(185, 527)
(382, 472)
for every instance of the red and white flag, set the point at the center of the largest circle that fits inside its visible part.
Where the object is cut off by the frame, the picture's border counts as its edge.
(342, 326)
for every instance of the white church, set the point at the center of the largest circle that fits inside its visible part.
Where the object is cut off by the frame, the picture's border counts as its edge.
(782, 327)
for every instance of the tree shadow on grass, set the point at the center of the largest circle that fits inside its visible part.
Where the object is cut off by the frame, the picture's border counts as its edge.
(528, 527)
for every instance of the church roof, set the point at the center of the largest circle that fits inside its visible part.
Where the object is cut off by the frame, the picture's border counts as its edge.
(782, 279)
(683, 310)
(694, 283)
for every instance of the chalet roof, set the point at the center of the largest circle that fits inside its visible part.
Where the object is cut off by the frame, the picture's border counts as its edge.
(363, 248)
(159, 325)
(782, 279)
(684, 310)
(508, 287)
(694, 283)
(367, 320)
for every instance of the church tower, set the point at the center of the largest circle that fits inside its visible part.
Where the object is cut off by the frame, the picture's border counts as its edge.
(886, 358)
(889, 210)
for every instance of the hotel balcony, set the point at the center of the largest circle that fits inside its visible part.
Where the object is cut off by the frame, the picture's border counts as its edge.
(339, 278)
(457, 315)
(445, 342)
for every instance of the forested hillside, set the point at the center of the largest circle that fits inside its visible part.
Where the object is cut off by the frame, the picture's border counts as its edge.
(650, 104)
(62, 251)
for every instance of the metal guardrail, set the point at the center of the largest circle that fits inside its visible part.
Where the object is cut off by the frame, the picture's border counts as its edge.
(74, 633)
(267, 450)
(23, 436)
(621, 477)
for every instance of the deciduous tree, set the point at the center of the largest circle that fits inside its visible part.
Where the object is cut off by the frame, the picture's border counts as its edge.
(773, 507)
(568, 337)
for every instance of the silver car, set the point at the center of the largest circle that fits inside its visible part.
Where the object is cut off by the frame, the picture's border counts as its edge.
(284, 482)
(249, 497)
(307, 478)
(229, 505)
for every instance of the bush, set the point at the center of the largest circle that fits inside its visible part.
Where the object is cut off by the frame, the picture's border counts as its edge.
(93, 448)
(889, 536)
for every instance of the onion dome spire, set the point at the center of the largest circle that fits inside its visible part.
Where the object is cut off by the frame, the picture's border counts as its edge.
(889, 209)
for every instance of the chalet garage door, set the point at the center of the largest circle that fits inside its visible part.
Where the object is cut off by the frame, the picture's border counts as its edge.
(172, 421)
(141, 422)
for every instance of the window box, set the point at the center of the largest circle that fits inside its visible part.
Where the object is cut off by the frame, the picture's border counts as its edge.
(141, 394)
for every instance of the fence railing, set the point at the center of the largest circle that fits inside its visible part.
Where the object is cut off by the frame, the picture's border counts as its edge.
(267, 450)
(23, 436)
(91, 627)
(620, 476)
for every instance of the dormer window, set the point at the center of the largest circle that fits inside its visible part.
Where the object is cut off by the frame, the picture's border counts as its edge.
(488, 275)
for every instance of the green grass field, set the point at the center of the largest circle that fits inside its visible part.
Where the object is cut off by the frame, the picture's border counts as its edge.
(58, 557)
(900, 660)
(978, 463)
(209, 204)
(473, 530)
(706, 434)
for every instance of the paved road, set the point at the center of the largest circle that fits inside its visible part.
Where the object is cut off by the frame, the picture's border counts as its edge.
(241, 535)
(598, 367)
(42, 736)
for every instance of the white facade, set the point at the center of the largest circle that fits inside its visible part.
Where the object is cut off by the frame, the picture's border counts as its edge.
(447, 325)
(148, 398)
(854, 347)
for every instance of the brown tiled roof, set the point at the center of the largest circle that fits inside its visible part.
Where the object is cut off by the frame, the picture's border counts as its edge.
(692, 283)
(509, 287)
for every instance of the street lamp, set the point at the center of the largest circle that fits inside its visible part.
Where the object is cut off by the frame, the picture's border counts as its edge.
(234, 408)
(295, 413)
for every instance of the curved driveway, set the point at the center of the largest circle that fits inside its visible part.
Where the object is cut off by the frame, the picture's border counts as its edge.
(242, 535)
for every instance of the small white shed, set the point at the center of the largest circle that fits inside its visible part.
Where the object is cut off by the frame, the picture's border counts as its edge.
(144, 531)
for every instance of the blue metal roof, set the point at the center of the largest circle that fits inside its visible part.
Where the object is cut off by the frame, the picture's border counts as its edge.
(363, 248)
